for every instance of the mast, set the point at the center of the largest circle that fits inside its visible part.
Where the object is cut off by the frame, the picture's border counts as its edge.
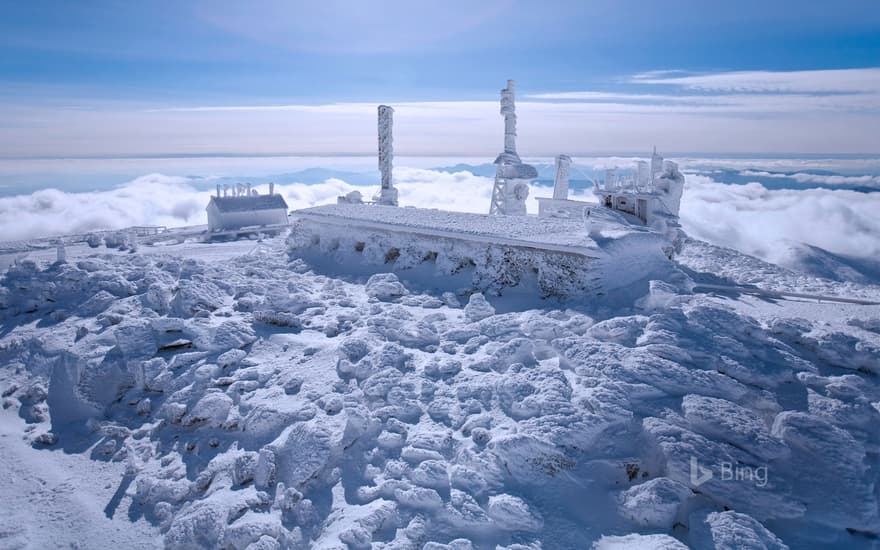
(388, 194)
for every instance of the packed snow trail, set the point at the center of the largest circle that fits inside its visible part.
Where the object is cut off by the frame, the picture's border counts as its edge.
(52, 499)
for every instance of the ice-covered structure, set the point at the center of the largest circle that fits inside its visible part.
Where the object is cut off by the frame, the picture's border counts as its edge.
(242, 206)
(512, 176)
(388, 193)
(651, 196)
(505, 248)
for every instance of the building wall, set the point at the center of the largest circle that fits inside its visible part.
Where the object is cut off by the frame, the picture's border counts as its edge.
(234, 220)
(565, 208)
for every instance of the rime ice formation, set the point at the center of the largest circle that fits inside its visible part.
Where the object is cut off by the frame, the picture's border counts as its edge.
(650, 197)
(222, 396)
(496, 252)
(388, 193)
(560, 184)
(507, 247)
(511, 176)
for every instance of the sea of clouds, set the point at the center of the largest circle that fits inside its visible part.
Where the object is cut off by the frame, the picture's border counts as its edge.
(750, 218)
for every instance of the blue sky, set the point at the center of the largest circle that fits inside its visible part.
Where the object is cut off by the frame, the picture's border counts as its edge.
(271, 76)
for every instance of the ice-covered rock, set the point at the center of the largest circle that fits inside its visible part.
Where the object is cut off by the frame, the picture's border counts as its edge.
(844, 501)
(201, 525)
(301, 452)
(723, 420)
(400, 421)
(419, 498)
(251, 529)
(711, 468)
(655, 503)
(211, 410)
(234, 334)
(731, 531)
(478, 308)
(196, 295)
(158, 297)
(231, 358)
(385, 287)
(639, 542)
(513, 514)
(136, 340)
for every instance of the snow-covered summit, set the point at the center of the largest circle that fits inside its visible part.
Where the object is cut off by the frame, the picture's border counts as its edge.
(255, 403)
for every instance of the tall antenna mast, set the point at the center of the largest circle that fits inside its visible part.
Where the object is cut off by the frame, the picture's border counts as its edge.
(387, 194)
(511, 175)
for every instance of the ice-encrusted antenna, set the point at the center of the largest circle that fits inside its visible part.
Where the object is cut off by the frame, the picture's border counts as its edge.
(388, 193)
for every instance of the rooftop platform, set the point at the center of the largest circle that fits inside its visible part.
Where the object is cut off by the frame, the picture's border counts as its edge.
(555, 234)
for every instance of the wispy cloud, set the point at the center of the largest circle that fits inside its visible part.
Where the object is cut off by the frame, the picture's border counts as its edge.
(821, 179)
(836, 81)
(803, 112)
(844, 90)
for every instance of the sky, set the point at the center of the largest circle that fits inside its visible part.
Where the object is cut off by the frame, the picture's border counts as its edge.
(112, 78)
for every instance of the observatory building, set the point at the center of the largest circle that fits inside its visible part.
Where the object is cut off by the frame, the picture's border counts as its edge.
(650, 196)
(241, 206)
(570, 248)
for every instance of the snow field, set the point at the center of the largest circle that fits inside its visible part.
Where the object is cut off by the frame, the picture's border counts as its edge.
(258, 404)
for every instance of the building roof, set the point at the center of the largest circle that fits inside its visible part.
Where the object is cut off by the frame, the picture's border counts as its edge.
(546, 233)
(257, 202)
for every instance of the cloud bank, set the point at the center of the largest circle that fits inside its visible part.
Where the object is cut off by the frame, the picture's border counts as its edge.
(821, 179)
(171, 201)
(749, 217)
(763, 222)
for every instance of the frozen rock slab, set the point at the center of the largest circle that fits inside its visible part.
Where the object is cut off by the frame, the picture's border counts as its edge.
(136, 340)
(845, 499)
(723, 420)
(731, 531)
(690, 458)
(194, 296)
(385, 287)
(847, 351)
(513, 514)
(200, 525)
(234, 334)
(478, 308)
(655, 503)
(638, 542)
(250, 529)
(300, 453)
(211, 410)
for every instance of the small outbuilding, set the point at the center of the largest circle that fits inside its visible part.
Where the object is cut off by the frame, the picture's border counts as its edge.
(246, 209)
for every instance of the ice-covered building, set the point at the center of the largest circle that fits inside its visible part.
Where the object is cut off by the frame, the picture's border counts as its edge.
(242, 206)
(505, 248)
(650, 196)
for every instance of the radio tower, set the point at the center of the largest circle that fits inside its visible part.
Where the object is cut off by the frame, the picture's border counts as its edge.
(512, 176)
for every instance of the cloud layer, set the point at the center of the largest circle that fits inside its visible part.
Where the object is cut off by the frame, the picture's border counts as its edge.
(821, 179)
(749, 217)
(763, 222)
